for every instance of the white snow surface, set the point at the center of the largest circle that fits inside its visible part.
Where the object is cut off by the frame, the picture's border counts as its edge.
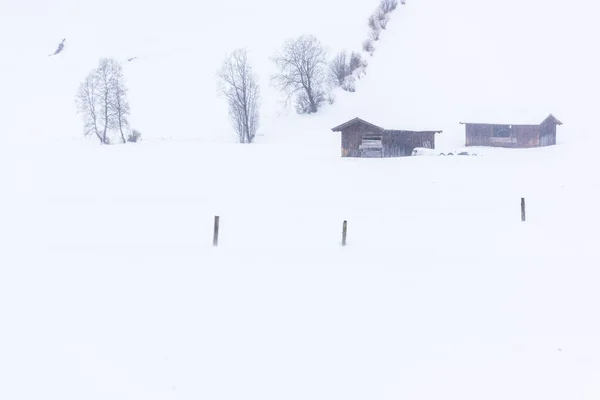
(110, 287)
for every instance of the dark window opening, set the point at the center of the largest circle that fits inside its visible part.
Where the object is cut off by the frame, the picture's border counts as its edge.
(502, 131)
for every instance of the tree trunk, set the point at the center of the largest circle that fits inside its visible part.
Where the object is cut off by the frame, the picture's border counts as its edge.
(121, 129)
(105, 123)
(311, 100)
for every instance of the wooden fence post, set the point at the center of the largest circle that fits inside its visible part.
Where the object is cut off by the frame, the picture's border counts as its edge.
(523, 217)
(344, 232)
(216, 232)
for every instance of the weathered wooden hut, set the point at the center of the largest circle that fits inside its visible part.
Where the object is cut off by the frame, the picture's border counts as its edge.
(514, 136)
(363, 139)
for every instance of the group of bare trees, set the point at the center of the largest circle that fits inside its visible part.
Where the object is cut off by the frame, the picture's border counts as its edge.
(102, 102)
(304, 75)
(345, 68)
(378, 22)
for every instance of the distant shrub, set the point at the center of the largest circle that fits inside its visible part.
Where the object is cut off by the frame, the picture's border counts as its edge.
(373, 22)
(369, 46)
(345, 69)
(384, 21)
(387, 6)
(356, 62)
(304, 105)
(349, 84)
(338, 68)
(134, 136)
(375, 35)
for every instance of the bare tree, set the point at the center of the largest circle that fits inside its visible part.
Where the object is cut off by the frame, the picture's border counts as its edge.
(345, 69)
(369, 46)
(301, 65)
(87, 105)
(387, 6)
(339, 68)
(375, 35)
(385, 21)
(106, 83)
(102, 101)
(356, 62)
(119, 102)
(239, 85)
(373, 22)
(383, 18)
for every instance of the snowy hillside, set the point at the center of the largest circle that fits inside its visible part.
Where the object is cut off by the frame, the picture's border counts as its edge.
(438, 63)
(512, 61)
(110, 287)
(173, 84)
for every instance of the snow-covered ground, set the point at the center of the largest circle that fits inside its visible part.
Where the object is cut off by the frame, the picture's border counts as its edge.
(110, 287)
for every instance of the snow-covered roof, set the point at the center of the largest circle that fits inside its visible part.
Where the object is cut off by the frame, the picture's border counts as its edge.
(550, 117)
(355, 121)
(362, 121)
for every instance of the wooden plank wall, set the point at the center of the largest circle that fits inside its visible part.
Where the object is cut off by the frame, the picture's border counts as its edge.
(478, 134)
(527, 135)
(401, 144)
(547, 134)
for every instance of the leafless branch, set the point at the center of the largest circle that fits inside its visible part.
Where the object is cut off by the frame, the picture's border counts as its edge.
(369, 46)
(301, 65)
(383, 18)
(239, 85)
(373, 22)
(375, 35)
(102, 101)
(356, 62)
(387, 6)
(87, 105)
(339, 68)
(119, 102)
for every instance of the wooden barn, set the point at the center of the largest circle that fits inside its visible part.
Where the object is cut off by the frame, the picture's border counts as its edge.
(363, 139)
(514, 136)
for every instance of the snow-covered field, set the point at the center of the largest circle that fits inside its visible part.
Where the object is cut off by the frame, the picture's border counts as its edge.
(110, 287)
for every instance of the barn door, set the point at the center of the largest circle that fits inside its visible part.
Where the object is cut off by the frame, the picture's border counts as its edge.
(371, 146)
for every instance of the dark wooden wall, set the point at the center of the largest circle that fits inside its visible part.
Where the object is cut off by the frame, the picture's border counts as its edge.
(547, 133)
(352, 138)
(527, 135)
(395, 143)
(478, 134)
(402, 143)
(520, 136)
